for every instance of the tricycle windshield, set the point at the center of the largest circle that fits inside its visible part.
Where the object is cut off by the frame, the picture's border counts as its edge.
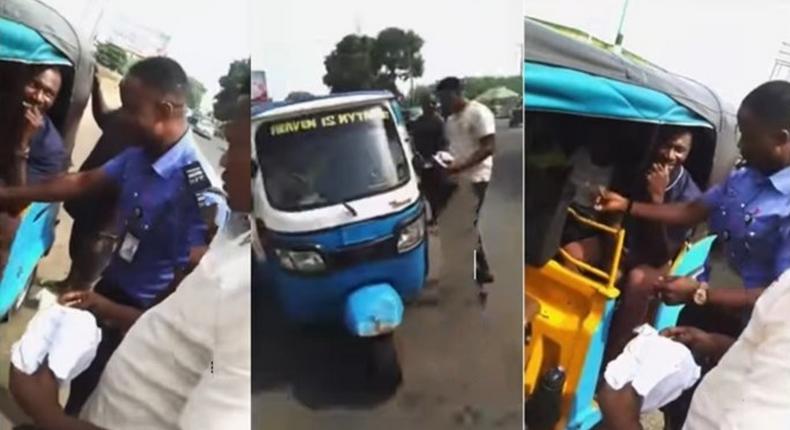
(330, 157)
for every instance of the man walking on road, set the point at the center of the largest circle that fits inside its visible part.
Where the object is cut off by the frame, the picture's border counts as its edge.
(471, 130)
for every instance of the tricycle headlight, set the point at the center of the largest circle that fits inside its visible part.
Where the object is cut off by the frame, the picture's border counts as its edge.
(411, 235)
(301, 261)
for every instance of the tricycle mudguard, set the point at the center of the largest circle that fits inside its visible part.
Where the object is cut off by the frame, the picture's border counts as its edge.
(373, 310)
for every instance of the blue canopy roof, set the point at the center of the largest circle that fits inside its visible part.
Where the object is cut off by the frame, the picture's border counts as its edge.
(25, 45)
(558, 89)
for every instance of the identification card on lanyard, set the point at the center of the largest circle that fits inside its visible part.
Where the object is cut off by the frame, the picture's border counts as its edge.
(128, 248)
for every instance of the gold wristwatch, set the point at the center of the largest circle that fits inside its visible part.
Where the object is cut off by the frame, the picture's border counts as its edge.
(701, 295)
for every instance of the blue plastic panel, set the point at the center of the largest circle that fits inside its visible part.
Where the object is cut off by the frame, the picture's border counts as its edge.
(33, 238)
(23, 44)
(373, 310)
(557, 89)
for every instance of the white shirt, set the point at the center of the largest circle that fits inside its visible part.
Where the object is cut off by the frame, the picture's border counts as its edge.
(185, 364)
(750, 387)
(464, 131)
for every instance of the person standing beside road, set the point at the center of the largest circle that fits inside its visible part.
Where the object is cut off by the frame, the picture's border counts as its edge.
(471, 130)
(750, 213)
(93, 236)
(195, 346)
(162, 187)
(428, 132)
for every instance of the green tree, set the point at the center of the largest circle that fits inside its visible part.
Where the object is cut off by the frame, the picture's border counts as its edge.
(360, 62)
(196, 93)
(296, 96)
(112, 57)
(349, 66)
(396, 55)
(233, 85)
(474, 86)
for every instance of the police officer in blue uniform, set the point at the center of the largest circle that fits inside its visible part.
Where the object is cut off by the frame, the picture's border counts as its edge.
(163, 202)
(750, 213)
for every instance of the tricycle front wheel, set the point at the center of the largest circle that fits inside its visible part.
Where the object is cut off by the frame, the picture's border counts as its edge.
(383, 365)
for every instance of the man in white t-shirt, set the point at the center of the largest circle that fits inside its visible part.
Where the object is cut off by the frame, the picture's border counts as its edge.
(185, 363)
(471, 130)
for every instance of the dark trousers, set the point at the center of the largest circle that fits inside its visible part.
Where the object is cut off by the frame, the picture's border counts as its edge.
(437, 190)
(481, 262)
(710, 320)
(83, 385)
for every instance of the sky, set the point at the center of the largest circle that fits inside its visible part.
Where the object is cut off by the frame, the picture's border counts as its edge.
(729, 45)
(206, 35)
(463, 38)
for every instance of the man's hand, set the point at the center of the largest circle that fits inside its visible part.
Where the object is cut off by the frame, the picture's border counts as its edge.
(34, 120)
(658, 181)
(87, 300)
(96, 82)
(712, 345)
(109, 313)
(609, 201)
(675, 290)
(454, 168)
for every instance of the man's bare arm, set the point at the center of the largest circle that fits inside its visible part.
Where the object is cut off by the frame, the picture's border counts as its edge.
(486, 149)
(58, 189)
(98, 104)
(687, 214)
(37, 396)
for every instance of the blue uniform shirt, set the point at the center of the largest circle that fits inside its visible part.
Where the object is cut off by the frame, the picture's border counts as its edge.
(47, 155)
(751, 215)
(157, 207)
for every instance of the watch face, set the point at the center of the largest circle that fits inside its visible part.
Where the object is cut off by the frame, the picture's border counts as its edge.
(700, 296)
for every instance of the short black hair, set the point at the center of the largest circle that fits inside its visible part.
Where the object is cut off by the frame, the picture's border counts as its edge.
(669, 132)
(37, 69)
(770, 103)
(450, 83)
(161, 73)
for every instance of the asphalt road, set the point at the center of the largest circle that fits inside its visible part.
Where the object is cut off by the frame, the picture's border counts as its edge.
(212, 149)
(461, 362)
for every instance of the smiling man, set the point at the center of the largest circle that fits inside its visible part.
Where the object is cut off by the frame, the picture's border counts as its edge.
(39, 153)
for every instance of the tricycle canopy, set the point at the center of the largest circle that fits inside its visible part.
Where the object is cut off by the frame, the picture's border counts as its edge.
(566, 75)
(35, 33)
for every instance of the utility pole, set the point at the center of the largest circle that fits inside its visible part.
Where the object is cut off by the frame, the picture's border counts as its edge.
(357, 25)
(618, 42)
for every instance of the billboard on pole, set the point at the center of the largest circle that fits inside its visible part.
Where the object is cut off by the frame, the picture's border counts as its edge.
(258, 90)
